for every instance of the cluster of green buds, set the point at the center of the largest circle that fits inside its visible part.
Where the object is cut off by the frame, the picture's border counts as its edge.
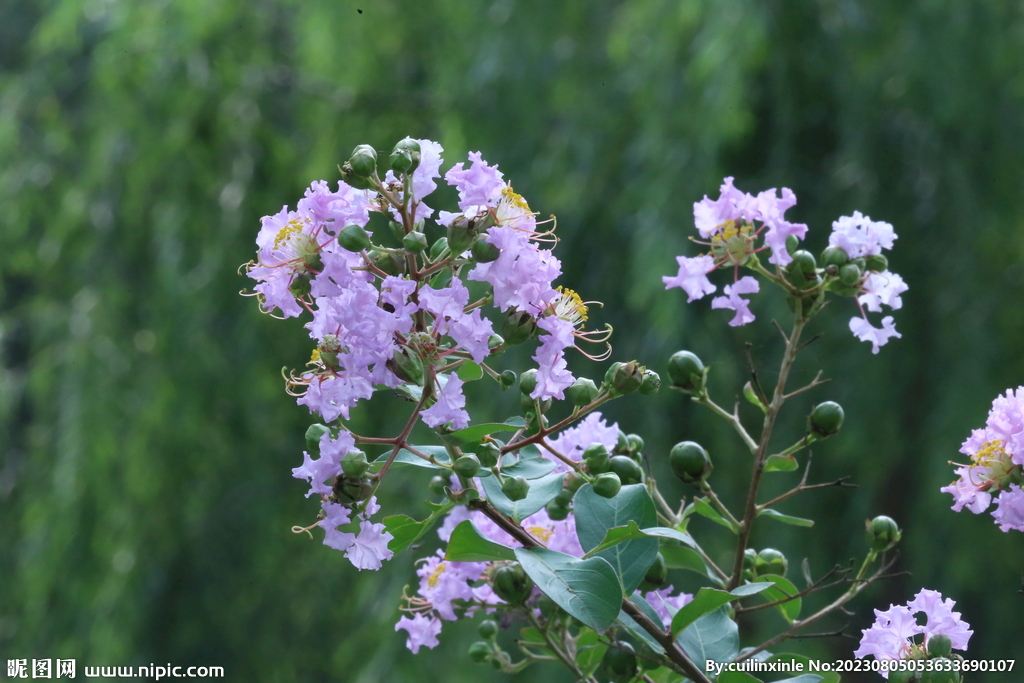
(611, 470)
(837, 273)
(768, 561)
(625, 378)
(936, 660)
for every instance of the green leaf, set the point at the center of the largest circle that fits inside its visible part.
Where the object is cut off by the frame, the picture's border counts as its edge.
(475, 433)
(737, 677)
(785, 519)
(806, 678)
(589, 650)
(595, 515)
(703, 508)
(677, 557)
(406, 457)
(780, 463)
(530, 465)
(708, 600)
(407, 530)
(782, 589)
(788, 657)
(541, 492)
(586, 589)
(714, 636)
(636, 629)
(467, 544)
(621, 534)
(469, 371)
(532, 637)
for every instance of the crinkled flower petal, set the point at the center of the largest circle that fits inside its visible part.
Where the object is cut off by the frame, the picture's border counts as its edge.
(692, 277)
(1009, 512)
(878, 336)
(370, 547)
(734, 302)
(423, 631)
(450, 406)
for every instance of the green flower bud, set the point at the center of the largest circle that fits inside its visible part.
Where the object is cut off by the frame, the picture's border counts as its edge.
(353, 238)
(826, 419)
(507, 379)
(515, 488)
(939, 645)
(313, 435)
(494, 341)
(350, 177)
(517, 327)
(528, 382)
(850, 274)
(749, 564)
(582, 392)
(803, 262)
(686, 372)
(648, 659)
(834, 256)
(636, 443)
(354, 464)
(656, 576)
(651, 383)
(792, 242)
(438, 484)
(363, 161)
(415, 242)
(607, 485)
(629, 472)
(461, 235)
(488, 629)
(480, 651)
(484, 252)
(352, 490)
(596, 458)
(406, 364)
(877, 263)
(619, 662)
(437, 248)
(621, 443)
(565, 496)
(389, 262)
(488, 453)
(467, 466)
(556, 510)
(624, 378)
(301, 285)
(573, 482)
(690, 462)
(897, 676)
(405, 157)
(511, 583)
(771, 561)
(882, 533)
(942, 673)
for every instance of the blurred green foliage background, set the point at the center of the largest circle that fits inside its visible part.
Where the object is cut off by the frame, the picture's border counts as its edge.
(146, 441)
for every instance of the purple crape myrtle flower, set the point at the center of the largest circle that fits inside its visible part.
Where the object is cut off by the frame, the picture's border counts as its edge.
(882, 289)
(769, 209)
(665, 604)
(693, 276)
(553, 377)
(442, 583)
(336, 515)
(469, 330)
(733, 301)
(860, 236)
(711, 216)
(423, 178)
(892, 636)
(423, 631)
(328, 465)
(479, 185)
(370, 547)
(878, 336)
(450, 406)
(996, 453)
(571, 442)
(1009, 512)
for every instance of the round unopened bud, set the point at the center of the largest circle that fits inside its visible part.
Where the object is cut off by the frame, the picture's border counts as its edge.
(405, 157)
(621, 443)
(353, 179)
(803, 261)
(624, 378)
(480, 651)
(629, 472)
(607, 485)
(511, 583)
(484, 252)
(515, 488)
(636, 443)
(904, 676)
(507, 379)
(354, 464)
(314, 433)
(488, 453)
(749, 564)
(556, 510)
(437, 248)
(596, 458)
(353, 490)
(877, 263)
(826, 419)
(488, 629)
(461, 235)
(437, 485)
(467, 466)
(834, 256)
(651, 383)
(690, 462)
(363, 161)
(686, 372)
(518, 326)
(771, 561)
(573, 482)
(792, 242)
(406, 364)
(619, 662)
(656, 576)
(528, 382)
(882, 533)
(943, 671)
(387, 261)
(415, 241)
(494, 341)
(582, 392)
(849, 274)
(939, 645)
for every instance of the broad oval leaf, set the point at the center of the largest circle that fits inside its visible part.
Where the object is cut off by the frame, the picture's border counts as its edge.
(467, 544)
(785, 519)
(703, 508)
(595, 515)
(406, 457)
(474, 433)
(586, 589)
(405, 530)
(780, 463)
(621, 534)
(708, 600)
(714, 636)
(782, 590)
(541, 492)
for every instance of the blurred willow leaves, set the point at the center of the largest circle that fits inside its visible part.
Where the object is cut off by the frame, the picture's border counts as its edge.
(145, 440)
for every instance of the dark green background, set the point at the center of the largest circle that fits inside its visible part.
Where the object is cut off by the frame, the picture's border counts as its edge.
(145, 438)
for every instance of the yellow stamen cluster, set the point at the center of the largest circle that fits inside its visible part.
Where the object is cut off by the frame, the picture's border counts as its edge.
(989, 454)
(570, 306)
(284, 234)
(540, 533)
(731, 229)
(435, 576)
(315, 356)
(515, 199)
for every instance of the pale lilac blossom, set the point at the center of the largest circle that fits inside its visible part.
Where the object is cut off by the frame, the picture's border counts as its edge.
(882, 289)
(860, 236)
(370, 547)
(693, 276)
(450, 406)
(423, 631)
(734, 302)
(878, 336)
